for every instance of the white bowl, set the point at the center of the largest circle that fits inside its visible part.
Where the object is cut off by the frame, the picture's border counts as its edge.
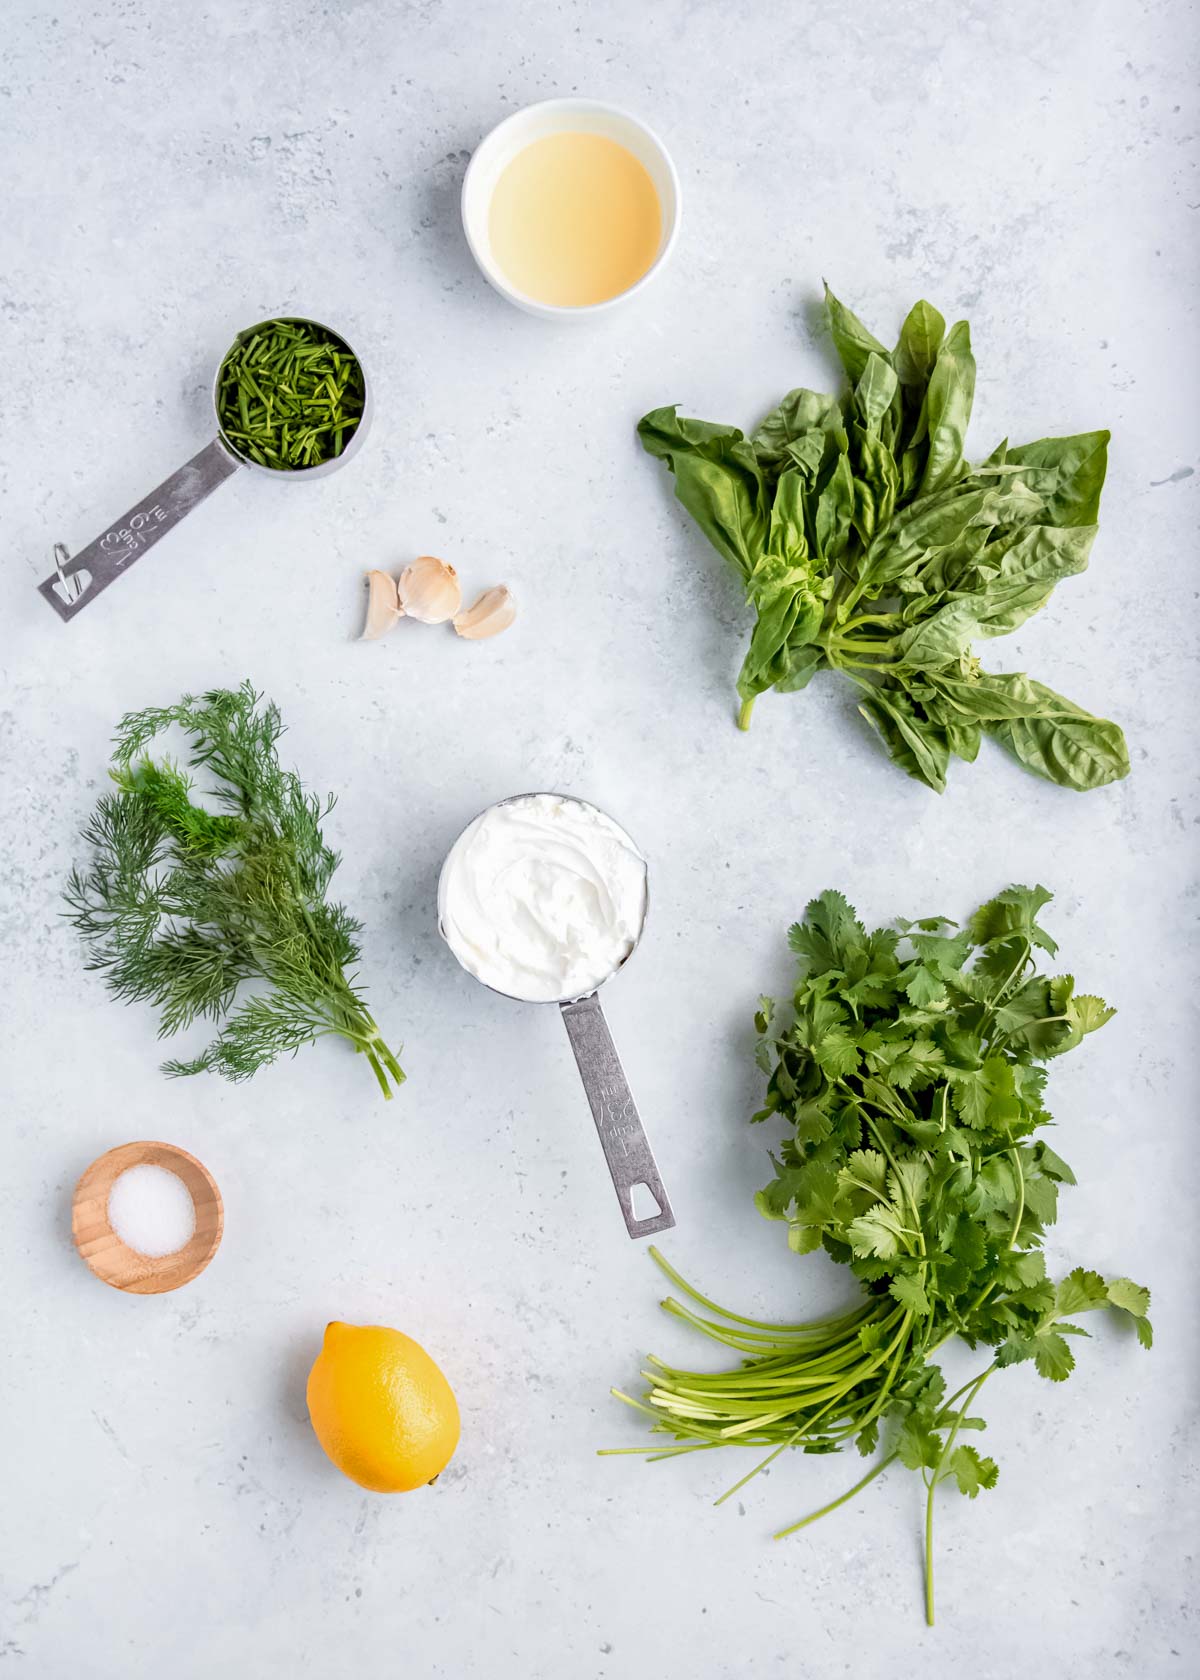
(552, 116)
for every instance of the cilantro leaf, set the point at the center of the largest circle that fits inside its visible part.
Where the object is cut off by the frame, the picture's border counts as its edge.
(1052, 1356)
(971, 1472)
(836, 1054)
(828, 928)
(1092, 1013)
(1053, 1165)
(867, 1438)
(865, 1169)
(879, 1232)
(1130, 1297)
(909, 1292)
(917, 1445)
(908, 1184)
(1081, 1291)
(1041, 1199)
(1013, 911)
(803, 1239)
(923, 986)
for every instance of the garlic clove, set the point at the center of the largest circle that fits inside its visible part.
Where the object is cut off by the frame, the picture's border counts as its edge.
(429, 590)
(383, 608)
(492, 612)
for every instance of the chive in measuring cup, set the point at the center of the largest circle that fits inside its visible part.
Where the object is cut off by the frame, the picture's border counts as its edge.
(626, 1147)
(76, 582)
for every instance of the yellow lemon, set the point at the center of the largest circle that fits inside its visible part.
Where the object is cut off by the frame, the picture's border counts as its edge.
(381, 1408)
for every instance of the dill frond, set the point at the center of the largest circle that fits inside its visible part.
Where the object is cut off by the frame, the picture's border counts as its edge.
(180, 907)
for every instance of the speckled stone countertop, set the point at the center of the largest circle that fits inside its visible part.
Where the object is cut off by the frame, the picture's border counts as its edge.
(174, 171)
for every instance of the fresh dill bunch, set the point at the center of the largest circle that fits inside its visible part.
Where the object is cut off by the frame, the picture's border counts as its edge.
(180, 907)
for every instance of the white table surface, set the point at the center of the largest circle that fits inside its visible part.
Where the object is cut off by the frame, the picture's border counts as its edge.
(173, 171)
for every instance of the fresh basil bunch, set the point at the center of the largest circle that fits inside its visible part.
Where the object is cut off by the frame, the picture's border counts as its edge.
(869, 544)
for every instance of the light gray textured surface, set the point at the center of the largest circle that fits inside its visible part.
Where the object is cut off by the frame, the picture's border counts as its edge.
(173, 171)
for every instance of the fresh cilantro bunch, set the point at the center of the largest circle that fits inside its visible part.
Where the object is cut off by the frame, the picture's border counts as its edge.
(908, 1073)
(867, 543)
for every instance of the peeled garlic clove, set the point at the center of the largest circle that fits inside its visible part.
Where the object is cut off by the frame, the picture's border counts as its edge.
(492, 612)
(429, 590)
(383, 608)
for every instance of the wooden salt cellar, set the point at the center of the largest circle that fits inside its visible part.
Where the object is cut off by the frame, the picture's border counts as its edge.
(121, 1266)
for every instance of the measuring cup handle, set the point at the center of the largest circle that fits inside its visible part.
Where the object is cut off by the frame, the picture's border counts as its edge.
(625, 1144)
(125, 541)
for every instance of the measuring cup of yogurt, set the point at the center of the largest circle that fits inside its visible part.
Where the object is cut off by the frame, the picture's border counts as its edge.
(543, 898)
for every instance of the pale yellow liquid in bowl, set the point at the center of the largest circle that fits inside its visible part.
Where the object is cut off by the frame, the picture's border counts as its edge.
(575, 219)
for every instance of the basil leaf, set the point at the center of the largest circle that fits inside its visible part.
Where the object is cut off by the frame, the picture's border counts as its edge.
(940, 639)
(874, 392)
(834, 512)
(717, 478)
(1069, 474)
(1064, 744)
(941, 520)
(946, 412)
(990, 696)
(853, 343)
(920, 340)
(779, 655)
(1033, 562)
(785, 531)
(797, 414)
(875, 485)
(914, 359)
(918, 746)
(802, 662)
(962, 736)
(806, 454)
(786, 594)
(911, 469)
(950, 568)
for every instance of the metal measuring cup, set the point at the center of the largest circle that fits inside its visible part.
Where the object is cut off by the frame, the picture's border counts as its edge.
(622, 1136)
(76, 582)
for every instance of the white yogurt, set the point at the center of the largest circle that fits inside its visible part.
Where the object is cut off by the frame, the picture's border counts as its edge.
(542, 897)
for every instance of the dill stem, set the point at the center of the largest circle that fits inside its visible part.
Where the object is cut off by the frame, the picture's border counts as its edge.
(378, 1072)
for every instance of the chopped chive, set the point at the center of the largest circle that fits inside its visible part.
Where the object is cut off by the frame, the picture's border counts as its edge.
(291, 395)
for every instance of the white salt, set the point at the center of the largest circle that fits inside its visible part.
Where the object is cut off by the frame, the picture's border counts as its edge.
(151, 1210)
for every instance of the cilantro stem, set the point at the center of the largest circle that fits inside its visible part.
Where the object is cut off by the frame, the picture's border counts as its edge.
(938, 1473)
(834, 1321)
(789, 1441)
(842, 1499)
(994, 1001)
(878, 1469)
